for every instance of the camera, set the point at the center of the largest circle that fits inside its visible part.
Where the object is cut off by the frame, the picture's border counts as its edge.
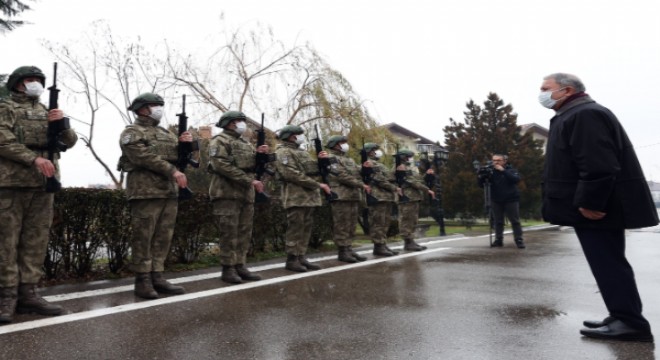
(484, 172)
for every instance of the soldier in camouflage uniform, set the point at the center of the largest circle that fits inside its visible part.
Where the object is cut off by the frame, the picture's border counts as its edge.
(299, 175)
(149, 153)
(383, 189)
(416, 191)
(232, 191)
(26, 210)
(345, 180)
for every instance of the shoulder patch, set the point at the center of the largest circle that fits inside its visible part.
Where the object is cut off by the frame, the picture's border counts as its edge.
(127, 138)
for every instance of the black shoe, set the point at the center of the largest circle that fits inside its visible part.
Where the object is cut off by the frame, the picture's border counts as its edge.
(246, 274)
(229, 275)
(617, 330)
(382, 250)
(496, 243)
(357, 256)
(592, 324)
(304, 262)
(520, 244)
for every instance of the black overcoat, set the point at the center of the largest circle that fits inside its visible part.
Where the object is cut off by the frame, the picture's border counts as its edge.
(591, 163)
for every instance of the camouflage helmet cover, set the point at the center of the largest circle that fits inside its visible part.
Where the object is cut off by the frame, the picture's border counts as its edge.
(22, 73)
(369, 147)
(334, 140)
(230, 116)
(407, 153)
(146, 99)
(289, 130)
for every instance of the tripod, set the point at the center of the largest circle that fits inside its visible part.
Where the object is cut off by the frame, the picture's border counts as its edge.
(488, 209)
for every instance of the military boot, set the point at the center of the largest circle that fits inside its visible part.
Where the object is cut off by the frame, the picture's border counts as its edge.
(144, 288)
(304, 262)
(382, 250)
(345, 255)
(394, 252)
(293, 264)
(246, 274)
(29, 301)
(357, 256)
(229, 275)
(411, 245)
(7, 304)
(163, 286)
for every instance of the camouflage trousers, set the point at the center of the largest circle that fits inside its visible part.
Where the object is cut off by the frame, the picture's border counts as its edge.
(344, 220)
(233, 220)
(408, 216)
(299, 229)
(380, 216)
(152, 221)
(25, 220)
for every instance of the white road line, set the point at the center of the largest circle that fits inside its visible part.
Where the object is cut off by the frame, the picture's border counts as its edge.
(28, 325)
(182, 280)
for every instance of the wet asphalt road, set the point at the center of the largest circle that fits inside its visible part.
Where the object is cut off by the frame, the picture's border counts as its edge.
(459, 299)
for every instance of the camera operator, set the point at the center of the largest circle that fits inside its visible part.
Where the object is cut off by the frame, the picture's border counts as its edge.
(504, 197)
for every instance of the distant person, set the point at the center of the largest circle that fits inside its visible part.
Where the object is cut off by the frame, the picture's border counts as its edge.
(345, 180)
(386, 192)
(593, 182)
(416, 191)
(505, 199)
(301, 194)
(232, 161)
(149, 153)
(26, 209)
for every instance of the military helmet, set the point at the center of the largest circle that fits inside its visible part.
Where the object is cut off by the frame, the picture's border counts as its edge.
(22, 73)
(407, 153)
(334, 140)
(230, 116)
(146, 99)
(289, 130)
(369, 147)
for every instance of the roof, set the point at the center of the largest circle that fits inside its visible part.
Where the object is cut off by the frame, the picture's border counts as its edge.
(535, 128)
(394, 127)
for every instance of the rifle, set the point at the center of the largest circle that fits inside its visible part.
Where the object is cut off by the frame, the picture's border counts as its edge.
(400, 176)
(261, 160)
(367, 174)
(429, 179)
(54, 145)
(324, 165)
(186, 150)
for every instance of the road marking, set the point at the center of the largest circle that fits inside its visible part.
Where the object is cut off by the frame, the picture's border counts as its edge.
(28, 325)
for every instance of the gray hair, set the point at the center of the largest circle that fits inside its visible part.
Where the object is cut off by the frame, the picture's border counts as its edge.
(564, 79)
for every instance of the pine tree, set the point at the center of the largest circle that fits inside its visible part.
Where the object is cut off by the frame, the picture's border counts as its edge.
(491, 129)
(11, 8)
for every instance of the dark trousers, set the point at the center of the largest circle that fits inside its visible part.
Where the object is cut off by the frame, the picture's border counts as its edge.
(512, 213)
(605, 250)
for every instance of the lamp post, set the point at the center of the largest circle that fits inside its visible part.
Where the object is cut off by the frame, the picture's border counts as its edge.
(440, 156)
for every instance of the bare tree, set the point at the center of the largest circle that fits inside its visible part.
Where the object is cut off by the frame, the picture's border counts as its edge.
(107, 72)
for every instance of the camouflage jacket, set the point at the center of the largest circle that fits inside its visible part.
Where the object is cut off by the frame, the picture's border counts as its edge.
(23, 138)
(345, 178)
(414, 187)
(232, 162)
(149, 153)
(299, 175)
(382, 182)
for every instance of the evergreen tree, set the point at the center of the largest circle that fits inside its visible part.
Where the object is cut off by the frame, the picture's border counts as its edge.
(11, 8)
(491, 129)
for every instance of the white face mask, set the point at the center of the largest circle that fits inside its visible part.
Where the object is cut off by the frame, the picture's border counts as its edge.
(34, 89)
(300, 140)
(378, 154)
(344, 147)
(546, 100)
(156, 112)
(241, 126)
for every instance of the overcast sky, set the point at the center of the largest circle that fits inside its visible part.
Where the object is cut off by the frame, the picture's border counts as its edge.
(416, 62)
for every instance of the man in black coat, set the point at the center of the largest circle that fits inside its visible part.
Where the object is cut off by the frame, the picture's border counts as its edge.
(593, 182)
(505, 198)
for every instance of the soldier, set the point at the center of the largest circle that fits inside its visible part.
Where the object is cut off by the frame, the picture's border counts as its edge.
(299, 175)
(149, 155)
(232, 190)
(408, 211)
(346, 181)
(385, 192)
(26, 210)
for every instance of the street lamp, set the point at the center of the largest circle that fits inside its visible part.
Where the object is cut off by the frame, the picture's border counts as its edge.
(440, 157)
